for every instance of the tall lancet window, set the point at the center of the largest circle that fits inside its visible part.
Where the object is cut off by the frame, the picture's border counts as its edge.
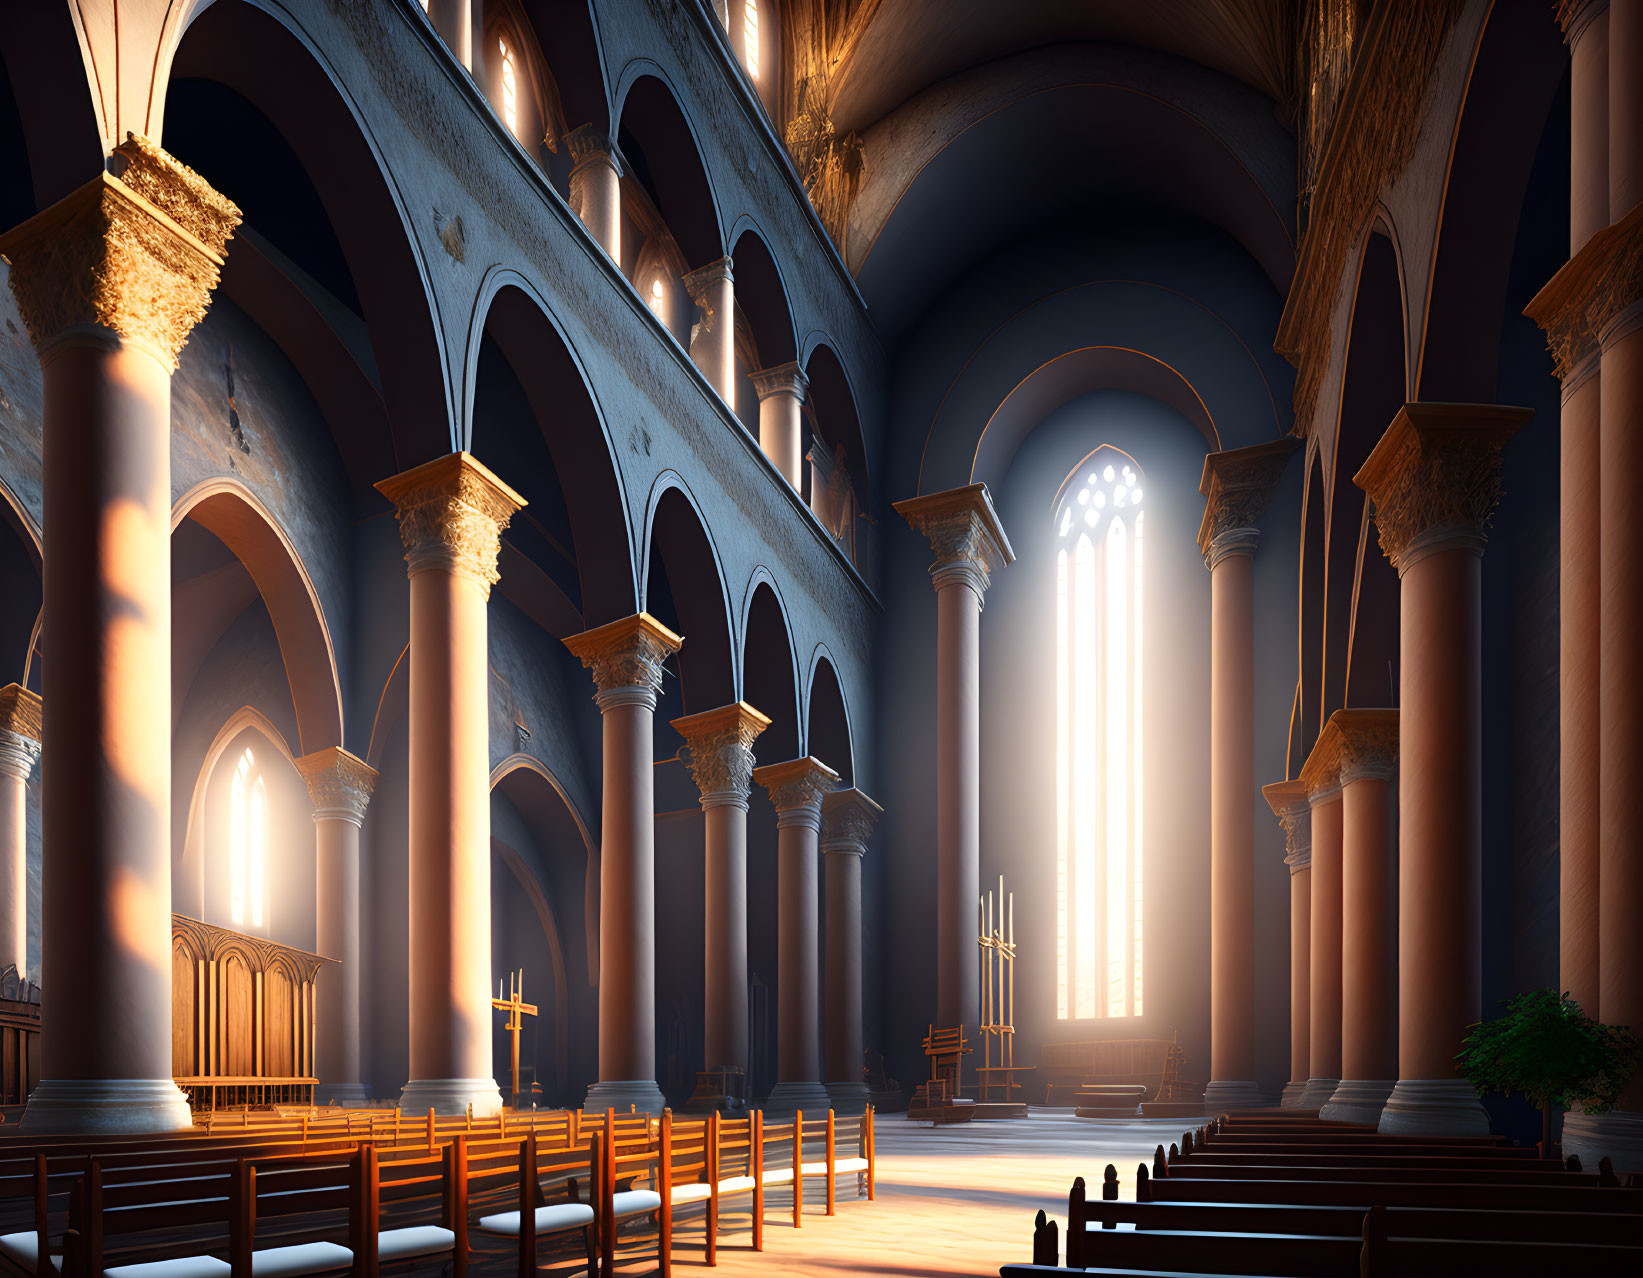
(750, 37)
(1099, 526)
(247, 843)
(510, 86)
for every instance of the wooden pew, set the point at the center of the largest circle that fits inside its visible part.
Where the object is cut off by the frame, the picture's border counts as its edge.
(533, 1217)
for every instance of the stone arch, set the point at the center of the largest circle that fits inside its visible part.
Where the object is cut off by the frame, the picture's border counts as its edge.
(761, 293)
(769, 668)
(20, 577)
(1307, 720)
(567, 38)
(678, 541)
(51, 119)
(567, 469)
(235, 517)
(664, 155)
(831, 408)
(827, 718)
(232, 59)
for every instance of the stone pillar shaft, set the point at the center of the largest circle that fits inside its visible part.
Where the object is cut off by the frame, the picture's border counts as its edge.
(110, 281)
(1625, 41)
(20, 733)
(1434, 479)
(713, 341)
(796, 790)
(781, 393)
(1324, 1021)
(1588, 38)
(969, 542)
(461, 24)
(596, 187)
(451, 515)
(625, 658)
(1289, 802)
(848, 818)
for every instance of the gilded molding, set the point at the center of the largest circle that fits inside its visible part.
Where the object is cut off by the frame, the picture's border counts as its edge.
(625, 656)
(719, 752)
(340, 784)
(1434, 477)
(451, 515)
(1292, 805)
(848, 818)
(1594, 286)
(1355, 745)
(796, 790)
(22, 712)
(781, 379)
(1237, 485)
(136, 251)
(965, 533)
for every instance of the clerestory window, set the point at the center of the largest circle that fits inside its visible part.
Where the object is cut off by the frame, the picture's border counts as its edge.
(247, 843)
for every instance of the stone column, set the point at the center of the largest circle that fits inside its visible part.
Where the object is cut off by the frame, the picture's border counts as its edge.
(596, 186)
(796, 789)
(451, 514)
(461, 24)
(1321, 778)
(969, 543)
(1236, 486)
(848, 818)
(110, 280)
(1289, 803)
(1366, 745)
(20, 733)
(340, 786)
(720, 745)
(1434, 478)
(781, 398)
(625, 658)
(713, 340)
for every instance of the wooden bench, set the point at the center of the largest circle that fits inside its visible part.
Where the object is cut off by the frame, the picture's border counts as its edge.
(1069, 1068)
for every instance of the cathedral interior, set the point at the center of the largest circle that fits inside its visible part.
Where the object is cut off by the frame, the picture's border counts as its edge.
(777, 634)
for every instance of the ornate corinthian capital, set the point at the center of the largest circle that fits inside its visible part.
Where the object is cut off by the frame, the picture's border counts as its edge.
(22, 728)
(848, 818)
(1292, 805)
(589, 143)
(1435, 477)
(700, 284)
(1237, 485)
(1600, 282)
(780, 379)
(965, 533)
(625, 658)
(796, 790)
(135, 252)
(340, 784)
(1368, 743)
(451, 515)
(720, 744)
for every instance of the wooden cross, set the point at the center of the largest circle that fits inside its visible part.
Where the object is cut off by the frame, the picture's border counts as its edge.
(516, 1008)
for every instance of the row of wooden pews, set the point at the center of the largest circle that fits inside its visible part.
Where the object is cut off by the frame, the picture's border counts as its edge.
(293, 1198)
(1278, 1195)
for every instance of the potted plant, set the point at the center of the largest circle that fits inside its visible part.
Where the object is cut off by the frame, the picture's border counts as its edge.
(1552, 1052)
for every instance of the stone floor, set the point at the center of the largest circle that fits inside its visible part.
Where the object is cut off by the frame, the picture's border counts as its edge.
(951, 1200)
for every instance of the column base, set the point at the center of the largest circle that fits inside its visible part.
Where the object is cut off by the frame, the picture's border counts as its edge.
(1617, 1136)
(1358, 1100)
(345, 1095)
(75, 1106)
(1317, 1093)
(785, 1098)
(639, 1095)
(847, 1098)
(1293, 1091)
(1228, 1096)
(1434, 1107)
(449, 1096)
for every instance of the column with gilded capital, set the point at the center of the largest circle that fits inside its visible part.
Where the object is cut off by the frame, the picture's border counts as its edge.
(969, 542)
(451, 515)
(713, 339)
(1434, 479)
(1321, 779)
(596, 186)
(720, 744)
(625, 658)
(848, 818)
(796, 789)
(110, 281)
(1366, 748)
(781, 392)
(1289, 803)
(1237, 486)
(340, 786)
(20, 733)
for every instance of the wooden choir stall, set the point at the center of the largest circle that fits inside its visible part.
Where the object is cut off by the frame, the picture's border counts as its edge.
(242, 1017)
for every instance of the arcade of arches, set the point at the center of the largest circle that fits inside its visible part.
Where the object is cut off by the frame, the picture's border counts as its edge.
(507, 489)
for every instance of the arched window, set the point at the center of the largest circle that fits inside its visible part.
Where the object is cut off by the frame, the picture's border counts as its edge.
(1099, 522)
(510, 86)
(750, 37)
(247, 843)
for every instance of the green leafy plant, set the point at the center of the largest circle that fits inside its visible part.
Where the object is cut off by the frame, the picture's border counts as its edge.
(1552, 1052)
